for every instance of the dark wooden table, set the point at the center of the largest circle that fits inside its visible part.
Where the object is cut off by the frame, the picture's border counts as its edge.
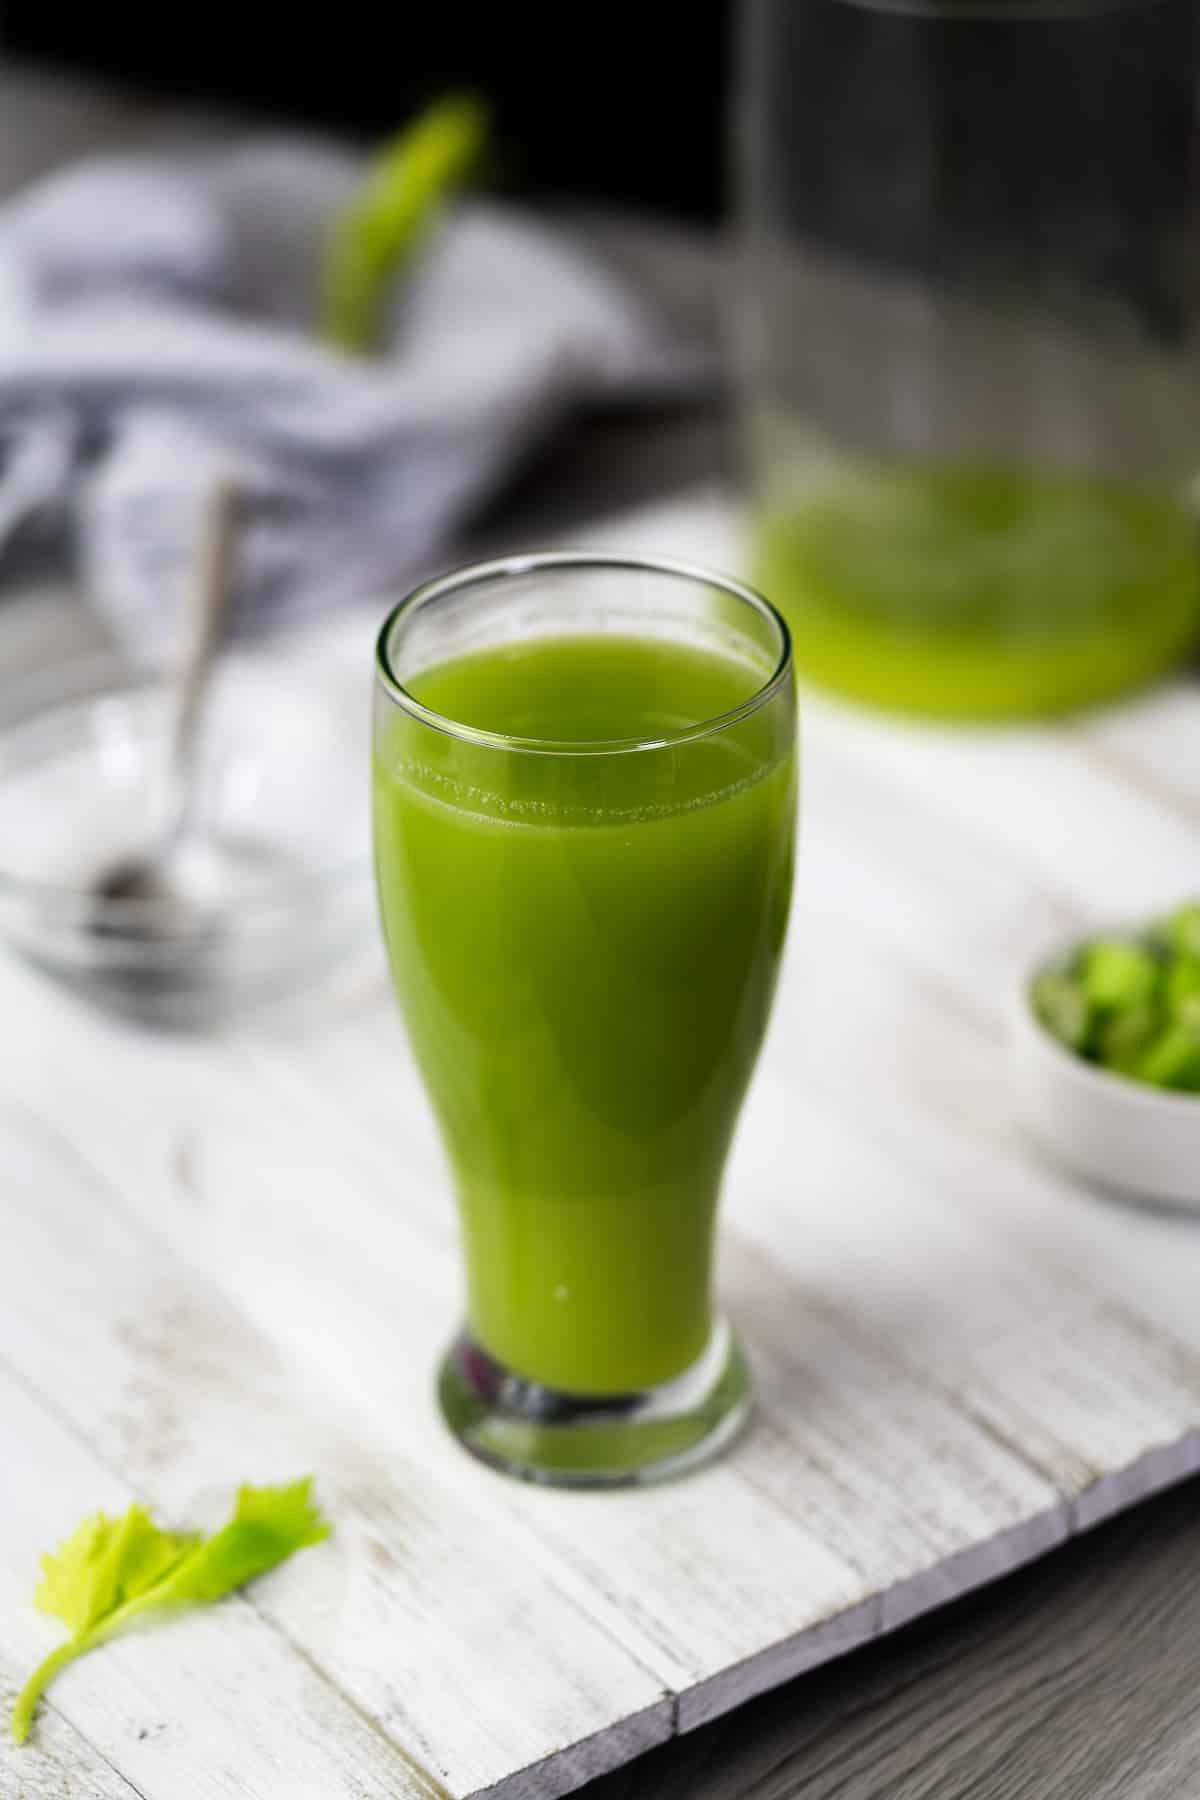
(1077, 1679)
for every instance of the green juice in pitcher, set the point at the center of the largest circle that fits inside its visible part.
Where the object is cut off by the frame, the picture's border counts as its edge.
(584, 936)
(982, 591)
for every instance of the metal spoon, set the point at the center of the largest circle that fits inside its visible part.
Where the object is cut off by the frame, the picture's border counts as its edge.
(157, 884)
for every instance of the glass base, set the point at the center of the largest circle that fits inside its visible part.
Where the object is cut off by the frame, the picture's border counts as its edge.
(595, 1440)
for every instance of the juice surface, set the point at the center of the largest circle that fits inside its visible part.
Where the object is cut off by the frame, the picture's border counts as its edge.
(982, 592)
(585, 949)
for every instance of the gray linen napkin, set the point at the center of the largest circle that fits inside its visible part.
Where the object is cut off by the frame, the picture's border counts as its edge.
(156, 325)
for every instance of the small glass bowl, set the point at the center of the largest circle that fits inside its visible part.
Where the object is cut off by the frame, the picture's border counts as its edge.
(281, 806)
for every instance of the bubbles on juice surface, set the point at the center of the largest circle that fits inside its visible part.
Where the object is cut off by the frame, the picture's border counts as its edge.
(433, 786)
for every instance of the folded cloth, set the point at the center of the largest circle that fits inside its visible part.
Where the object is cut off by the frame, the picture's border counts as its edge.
(157, 326)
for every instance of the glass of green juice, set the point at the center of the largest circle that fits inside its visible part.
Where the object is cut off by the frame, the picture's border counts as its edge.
(585, 801)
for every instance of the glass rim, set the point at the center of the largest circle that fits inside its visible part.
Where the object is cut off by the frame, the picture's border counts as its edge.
(545, 561)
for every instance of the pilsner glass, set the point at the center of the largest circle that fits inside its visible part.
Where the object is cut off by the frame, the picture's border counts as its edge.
(584, 780)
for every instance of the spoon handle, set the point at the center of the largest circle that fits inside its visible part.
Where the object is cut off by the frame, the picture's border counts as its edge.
(208, 609)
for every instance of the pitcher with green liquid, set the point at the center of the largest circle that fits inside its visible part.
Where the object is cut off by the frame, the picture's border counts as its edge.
(969, 329)
(585, 790)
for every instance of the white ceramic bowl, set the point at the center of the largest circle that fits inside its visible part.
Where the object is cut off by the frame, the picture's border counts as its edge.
(1121, 1134)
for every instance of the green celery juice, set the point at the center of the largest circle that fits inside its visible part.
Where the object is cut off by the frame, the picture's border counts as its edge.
(982, 592)
(585, 947)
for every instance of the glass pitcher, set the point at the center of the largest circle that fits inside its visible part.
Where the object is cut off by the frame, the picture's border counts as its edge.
(968, 323)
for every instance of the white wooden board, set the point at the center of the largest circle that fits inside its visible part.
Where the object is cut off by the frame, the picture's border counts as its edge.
(234, 1257)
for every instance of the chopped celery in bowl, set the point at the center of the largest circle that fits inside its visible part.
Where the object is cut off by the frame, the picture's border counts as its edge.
(1105, 1058)
(1131, 1002)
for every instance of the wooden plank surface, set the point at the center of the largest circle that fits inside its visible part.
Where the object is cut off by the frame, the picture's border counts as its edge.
(235, 1257)
(57, 1763)
(232, 1710)
(166, 1382)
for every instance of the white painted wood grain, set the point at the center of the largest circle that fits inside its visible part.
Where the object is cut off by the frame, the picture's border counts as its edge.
(243, 1249)
(1154, 744)
(269, 1184)
(213, 1705)
(57, 1763)
(645, 1549)
(1064, 818)
(169, 1383)
(1069, 1466)
(649, 1547)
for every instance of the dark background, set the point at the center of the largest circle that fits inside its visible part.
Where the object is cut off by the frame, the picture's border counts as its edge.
(623, 102)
